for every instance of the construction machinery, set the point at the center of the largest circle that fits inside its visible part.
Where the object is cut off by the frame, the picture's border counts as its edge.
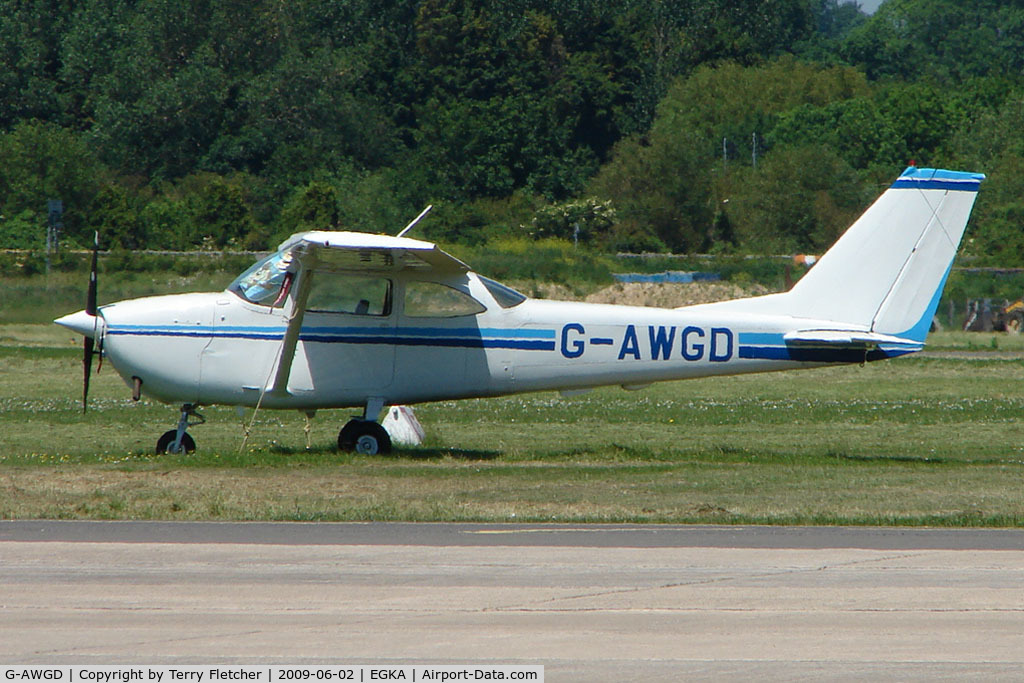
(984, 316)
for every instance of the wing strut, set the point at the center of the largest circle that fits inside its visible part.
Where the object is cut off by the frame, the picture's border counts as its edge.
(279, 383)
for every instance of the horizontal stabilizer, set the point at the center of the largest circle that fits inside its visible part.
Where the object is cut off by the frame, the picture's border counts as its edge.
(848, 339)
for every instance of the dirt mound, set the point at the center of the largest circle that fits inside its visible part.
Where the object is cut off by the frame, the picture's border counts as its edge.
(661, 295)
(671, 295)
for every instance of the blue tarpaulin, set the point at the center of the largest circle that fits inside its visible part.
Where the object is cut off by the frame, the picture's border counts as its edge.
(674, 276)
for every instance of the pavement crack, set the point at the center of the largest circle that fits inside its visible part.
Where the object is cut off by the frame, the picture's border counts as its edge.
(719, 579)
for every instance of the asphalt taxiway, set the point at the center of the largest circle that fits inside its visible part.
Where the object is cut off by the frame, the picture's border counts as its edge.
(588, 602)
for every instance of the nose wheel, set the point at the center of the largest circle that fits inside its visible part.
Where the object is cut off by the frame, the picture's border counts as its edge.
(178, 441)
(365, 437)
(165, 444)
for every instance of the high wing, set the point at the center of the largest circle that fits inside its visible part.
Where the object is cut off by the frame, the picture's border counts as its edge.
(364, 251)
(350, 251)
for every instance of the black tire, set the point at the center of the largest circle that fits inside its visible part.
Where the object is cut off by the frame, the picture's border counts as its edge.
(347, 436)
(188, 444)
(364, 436)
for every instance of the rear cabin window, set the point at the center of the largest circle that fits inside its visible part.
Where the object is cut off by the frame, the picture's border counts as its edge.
(349, 293)
(505, 296)
(434, 300)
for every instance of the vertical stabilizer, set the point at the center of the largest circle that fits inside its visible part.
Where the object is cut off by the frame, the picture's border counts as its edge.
(888, 270)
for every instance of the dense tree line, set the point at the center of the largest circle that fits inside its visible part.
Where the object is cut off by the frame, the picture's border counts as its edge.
(681, 125)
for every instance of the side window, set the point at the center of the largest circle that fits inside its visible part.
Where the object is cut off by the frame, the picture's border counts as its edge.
(434, 300)
(505, 296)
(349, 293)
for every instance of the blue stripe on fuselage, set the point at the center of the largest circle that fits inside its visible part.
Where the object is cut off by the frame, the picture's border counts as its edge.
(762, 338)
(470, 337)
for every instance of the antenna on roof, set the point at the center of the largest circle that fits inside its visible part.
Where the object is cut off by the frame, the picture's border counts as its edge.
(415, 220)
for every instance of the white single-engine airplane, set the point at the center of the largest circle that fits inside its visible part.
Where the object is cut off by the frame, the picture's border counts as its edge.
(345, 319)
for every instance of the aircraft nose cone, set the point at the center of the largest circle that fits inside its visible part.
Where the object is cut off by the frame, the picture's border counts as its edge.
(82, 323)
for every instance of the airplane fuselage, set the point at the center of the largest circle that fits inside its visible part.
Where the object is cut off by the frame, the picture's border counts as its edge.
(186, 349)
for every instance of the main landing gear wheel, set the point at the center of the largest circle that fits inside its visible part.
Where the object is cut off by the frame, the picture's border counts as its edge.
(165, 443)
(365, 437)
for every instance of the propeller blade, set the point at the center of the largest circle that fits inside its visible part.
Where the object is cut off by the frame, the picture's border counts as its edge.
(91, 309)
(90, 298)
(86, 372)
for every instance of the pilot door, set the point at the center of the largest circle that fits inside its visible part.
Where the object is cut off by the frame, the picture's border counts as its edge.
(346, 347)
(440, 352)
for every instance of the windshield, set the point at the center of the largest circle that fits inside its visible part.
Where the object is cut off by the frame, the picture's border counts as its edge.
(267, 282)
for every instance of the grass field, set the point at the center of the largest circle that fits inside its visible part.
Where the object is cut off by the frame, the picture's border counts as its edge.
(932, 440)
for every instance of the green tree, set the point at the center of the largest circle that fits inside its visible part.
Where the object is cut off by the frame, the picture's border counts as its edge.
(165, 131)
(991, 143)
(96, 32)
(115, 217)
(856, 128)
(41, 161)
(313, 207)
(663, 184)
(661, 192)
(505, 104)
(747, 30)
(836, 18)
(218, 212)
(30, 32)
(799, 200)
(941, 39)
(166, 222)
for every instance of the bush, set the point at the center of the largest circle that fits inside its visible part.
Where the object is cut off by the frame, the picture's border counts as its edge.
(547, 260)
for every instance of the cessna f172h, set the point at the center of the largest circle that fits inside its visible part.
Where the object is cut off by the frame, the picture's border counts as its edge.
(345, 319)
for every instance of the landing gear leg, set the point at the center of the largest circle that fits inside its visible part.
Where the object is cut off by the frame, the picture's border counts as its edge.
(364, 435)
(178, 441)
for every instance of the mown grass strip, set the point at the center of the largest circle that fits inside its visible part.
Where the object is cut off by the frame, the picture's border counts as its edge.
(917, 441)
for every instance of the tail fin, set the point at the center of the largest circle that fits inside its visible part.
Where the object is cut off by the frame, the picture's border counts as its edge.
(887, 271)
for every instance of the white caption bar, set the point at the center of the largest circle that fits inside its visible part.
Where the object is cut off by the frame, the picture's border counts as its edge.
(410, 673)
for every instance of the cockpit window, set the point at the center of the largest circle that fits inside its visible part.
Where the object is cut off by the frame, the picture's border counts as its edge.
(505, 296)
(352, 293)
(268, 281)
